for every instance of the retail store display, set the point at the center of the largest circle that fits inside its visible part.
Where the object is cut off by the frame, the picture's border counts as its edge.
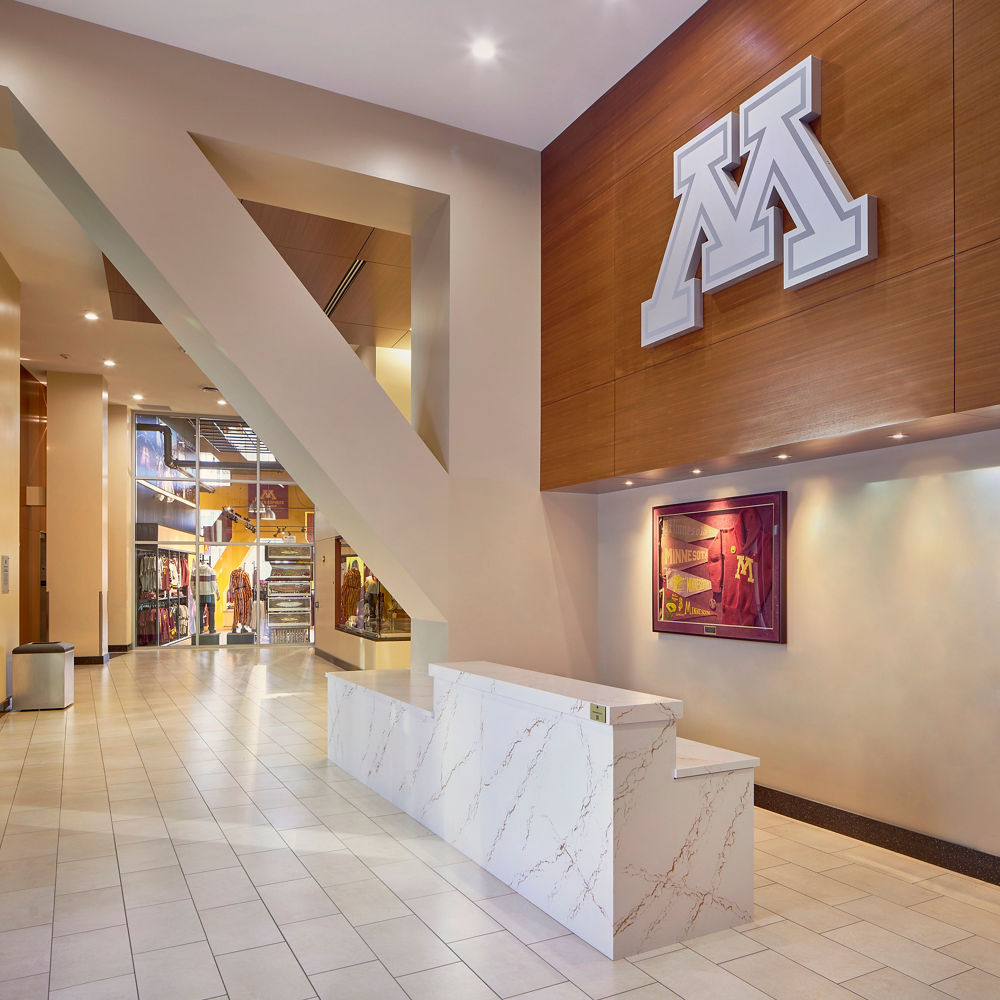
(718, 568)
(208, 593)
(163, 595)
(240, 595)
(364, 606)
(289, 592)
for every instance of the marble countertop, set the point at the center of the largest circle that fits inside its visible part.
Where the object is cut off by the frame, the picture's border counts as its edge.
(409, 686)
(562, 694)
(700, 758)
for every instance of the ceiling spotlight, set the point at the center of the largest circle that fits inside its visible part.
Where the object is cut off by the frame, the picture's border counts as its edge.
(782, 457)
(898, 436)
(696, 472)
(221, 402)
(108, 363)
(628, 482)
(92, 316)
(483, 49)
(138, 397)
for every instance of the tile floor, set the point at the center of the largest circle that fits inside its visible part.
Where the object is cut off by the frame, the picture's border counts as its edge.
(178, 834)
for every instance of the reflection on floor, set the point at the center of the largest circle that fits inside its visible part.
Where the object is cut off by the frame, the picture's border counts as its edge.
(179, 834)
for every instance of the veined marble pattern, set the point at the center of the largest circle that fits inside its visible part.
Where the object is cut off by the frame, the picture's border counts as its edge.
(584, 819)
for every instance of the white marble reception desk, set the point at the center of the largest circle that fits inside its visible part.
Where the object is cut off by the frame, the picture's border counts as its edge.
(577, 795)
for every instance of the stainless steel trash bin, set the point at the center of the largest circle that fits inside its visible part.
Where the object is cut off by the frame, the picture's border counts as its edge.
(42, 676)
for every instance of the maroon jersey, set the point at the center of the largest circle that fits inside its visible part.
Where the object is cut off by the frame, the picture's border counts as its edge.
(739, 568)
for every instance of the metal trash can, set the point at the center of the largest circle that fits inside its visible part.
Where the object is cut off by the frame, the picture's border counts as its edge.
(42, 676)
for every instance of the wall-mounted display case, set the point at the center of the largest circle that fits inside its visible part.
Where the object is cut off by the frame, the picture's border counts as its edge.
(364, 606)
(289, 592)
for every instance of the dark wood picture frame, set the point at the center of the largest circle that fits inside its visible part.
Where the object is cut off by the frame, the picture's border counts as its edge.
(719, 567)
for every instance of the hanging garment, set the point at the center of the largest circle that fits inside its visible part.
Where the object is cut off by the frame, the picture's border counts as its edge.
(241, 595)
(350, 592)
(739, 567)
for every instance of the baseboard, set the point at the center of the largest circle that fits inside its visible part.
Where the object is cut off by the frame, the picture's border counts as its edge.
(7, 705)
(127, 648)
(91, 661)
(335, 660)
(943, 853)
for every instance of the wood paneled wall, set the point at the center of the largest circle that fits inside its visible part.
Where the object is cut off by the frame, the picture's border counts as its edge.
(910, 112)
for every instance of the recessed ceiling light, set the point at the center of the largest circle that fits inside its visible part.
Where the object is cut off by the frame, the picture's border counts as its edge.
(108, 363)
(92, 316)
(24, 359)
(483, 49)
(696, 472)
(221, 402)
(628, 482)
(782, 457)
(138, 397)
(898, 436)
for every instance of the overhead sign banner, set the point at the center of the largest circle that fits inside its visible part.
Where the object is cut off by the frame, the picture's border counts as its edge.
(733, 231)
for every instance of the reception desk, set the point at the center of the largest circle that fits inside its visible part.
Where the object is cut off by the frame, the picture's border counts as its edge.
(579, 796)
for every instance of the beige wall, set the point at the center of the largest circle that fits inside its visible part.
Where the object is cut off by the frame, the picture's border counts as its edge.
(885, 700)
(326, 570)
(120, 519)
(511, 571)
(77, 514)
(10, 459)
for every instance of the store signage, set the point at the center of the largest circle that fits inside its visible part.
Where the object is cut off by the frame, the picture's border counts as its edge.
(734, 231)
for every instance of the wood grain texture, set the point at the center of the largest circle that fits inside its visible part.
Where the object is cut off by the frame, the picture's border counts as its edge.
(889, 93)
(378, 296)
(578, 276)
(879, 356)
(304, 231)
(125, 301)
(977, 345)
(881, 142)
(578, 438)
(977, 122)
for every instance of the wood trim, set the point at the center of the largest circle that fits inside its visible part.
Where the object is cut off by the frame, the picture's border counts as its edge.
(977, 346)
(578, 437)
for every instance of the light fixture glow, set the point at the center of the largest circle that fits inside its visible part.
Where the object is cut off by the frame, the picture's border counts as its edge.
(696, 472)
(628, 482)
(138, 397)
(898, 436)
(483, 49)
(108, 363)
(221, 402)
(782, 457)
(92, 316)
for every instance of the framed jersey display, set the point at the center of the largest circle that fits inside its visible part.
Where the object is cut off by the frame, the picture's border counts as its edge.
(719, 567)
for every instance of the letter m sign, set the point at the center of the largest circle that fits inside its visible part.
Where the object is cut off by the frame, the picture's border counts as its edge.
(735, 231)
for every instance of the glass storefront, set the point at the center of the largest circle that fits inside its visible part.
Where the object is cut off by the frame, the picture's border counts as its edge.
(224, 546)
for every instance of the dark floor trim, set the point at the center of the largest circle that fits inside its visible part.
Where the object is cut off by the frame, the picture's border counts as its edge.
(943, 853)
(90, 661)
(120, 649)
(335, 660)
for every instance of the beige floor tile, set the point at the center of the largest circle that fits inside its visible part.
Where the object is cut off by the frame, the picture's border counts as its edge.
(378, 849)
(722, 946)
(814, 836)
(826, 890)
(888, 984)
(90, 956)
(870, 880)
(368, 981)
(434, 851)
(695, 978)
(588, 969)
(312, 840)
(29, 988)
(25, 952)
(506, 965)
(367, 901)
(301, 899)
(972, 985)
(802, 909)
(813, 951)
(186, 972)
(405, 945)
(325, 943)
(970, 918)
(904, 920)
(523, 919)
(908, 957)
(449, 982)
(968, 890)
(155, 885)
(28, 845)
(77, 846)
(221, 887)
(271, 972)
(239, 926)
(88, 911)
(474, 881)
(279, 865)
(980, 952)
(165, 925)
(454, 917)
(89, 873)
(895, 864)
(799, 854)
(117, 988)
(206, 856)
(411, 879)
(784, 979)
(25, 908)
(335, 867)
(145, 855)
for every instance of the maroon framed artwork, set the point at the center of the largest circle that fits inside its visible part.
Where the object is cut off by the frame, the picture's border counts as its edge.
(719, 567)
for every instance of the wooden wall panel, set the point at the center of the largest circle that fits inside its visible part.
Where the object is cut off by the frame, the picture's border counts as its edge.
(578, 301)
(882, 143)
(578, 438)
(874, 358)
(977, 122)
(909, 113)
(977, 344)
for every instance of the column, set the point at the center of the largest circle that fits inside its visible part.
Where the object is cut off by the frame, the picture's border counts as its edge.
(78, 513)
(120, 520)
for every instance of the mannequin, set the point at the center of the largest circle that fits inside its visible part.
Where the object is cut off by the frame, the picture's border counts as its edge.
(208, 591)
(241, 595)
(350, 591)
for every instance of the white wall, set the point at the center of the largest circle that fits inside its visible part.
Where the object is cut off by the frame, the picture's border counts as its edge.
(886, 699)
(10, 460)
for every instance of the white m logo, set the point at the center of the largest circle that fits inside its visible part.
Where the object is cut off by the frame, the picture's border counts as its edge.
(735, 232)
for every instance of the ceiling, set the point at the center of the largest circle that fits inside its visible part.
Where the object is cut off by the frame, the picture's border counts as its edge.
(554, 57)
